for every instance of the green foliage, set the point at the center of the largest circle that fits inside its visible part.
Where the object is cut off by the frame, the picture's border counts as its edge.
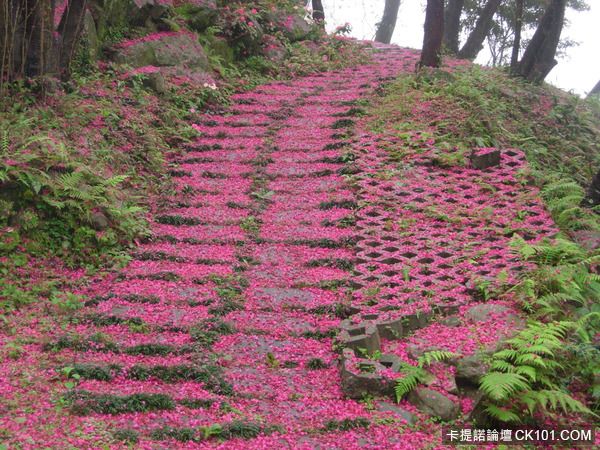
(240, 429)
(563, 284)
(524, 376)
(178, 434)
(316, 364)
(564, 199)
(53, 202)
(126, 435)
(413, 375)
(85, 403)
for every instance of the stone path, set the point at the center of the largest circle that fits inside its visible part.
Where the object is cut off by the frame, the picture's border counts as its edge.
(224, 324)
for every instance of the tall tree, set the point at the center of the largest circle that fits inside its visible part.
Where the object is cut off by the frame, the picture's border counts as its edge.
(539, 57)
(386, 27)
(318, 12)
(39, 30)
(474, 42)
(69, 30)
(434, 34)
(452, 24)
(514, 58)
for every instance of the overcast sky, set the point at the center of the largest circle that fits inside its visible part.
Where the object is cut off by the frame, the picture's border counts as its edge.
(578, 71)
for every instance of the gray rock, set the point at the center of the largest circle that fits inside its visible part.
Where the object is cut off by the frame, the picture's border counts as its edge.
(293, 27)
(588, 239)
(451, 322)
(470, 369)
(156, 82)
(482, 312)
(99, 221)
(401, 412)
(173, 49)
(483, 160)
(434, 403)
(415, 351)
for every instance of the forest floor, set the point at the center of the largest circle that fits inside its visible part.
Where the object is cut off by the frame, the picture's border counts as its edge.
(291, 213)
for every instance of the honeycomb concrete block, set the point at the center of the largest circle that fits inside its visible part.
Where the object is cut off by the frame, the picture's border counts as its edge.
(361, 338)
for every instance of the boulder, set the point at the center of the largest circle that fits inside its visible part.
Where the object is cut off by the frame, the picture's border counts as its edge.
(588, 239)
(470, 369)
(295, 28)
(99, 221)
(201, 14)
(482, 312)
(434, 403)
(410, 418)
(163, 49)
(155, 82)
(484, 158)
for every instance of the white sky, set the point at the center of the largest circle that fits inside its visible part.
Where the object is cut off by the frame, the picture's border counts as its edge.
(578, 71)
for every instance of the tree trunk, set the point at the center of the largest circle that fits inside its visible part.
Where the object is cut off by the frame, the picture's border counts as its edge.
(434, 34)
(475, 40)
(595, 90)
(593, 192)
(39, 28)
(69, 29)
(388, 21)
(539, 57)
(318, 13)
(452, 24)
(514, 59)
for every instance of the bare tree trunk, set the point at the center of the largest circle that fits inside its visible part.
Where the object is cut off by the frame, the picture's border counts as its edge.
(539, 57)
(475, 40)
(593, 193)
(69, 29)
(388, 21)
(318, 13)
(39, 27)
(434, 34)
(452, 24)
(595, 90)
(514, 59)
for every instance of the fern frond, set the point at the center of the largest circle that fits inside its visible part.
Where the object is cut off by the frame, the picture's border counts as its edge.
(500, 386)
(435, 356)
(502, 414)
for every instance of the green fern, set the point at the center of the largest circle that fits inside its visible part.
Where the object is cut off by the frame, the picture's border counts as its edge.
(413, 375)
(429, 358)
(525, 375)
